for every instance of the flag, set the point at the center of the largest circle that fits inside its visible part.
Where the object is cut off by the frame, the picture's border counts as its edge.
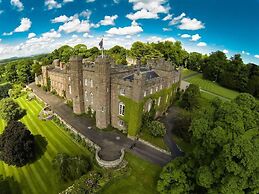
(101, 44)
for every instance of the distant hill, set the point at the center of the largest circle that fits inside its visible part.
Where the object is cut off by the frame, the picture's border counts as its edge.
(4, 61)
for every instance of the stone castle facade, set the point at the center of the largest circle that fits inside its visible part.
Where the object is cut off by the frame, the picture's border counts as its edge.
(118, 95)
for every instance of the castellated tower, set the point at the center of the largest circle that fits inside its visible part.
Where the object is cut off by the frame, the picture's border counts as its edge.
(76, 83)
(137, 86)
(103, 93)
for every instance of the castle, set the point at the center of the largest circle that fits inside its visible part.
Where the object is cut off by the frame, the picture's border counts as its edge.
(117, 95)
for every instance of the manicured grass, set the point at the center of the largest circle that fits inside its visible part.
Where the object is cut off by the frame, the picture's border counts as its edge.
(142, 179)
(187, 72)
(212, 87)
(39, 177)
(156, 141)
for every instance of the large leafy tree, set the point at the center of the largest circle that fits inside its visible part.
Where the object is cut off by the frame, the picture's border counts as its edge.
(10, 72)
(225, 140)
(118, 53)
(4, 88)
(10, 110)
(17, 144)
(24, 71)
(190, 97)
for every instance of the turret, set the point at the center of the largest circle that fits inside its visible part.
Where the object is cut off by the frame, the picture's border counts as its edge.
(76, 83)
(103, 84)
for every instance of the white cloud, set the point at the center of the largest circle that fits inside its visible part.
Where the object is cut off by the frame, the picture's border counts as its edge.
(31, 35)
(167, 29)
(87, 14)
(257, 56)
(191, 24)
(142, 14)
(168, 17)
(24, 26)
(159, 39)
(90, 1)
(51, 34)
(195, 37)
(108, 20)
(52, 4)
(18, 4)
(116, 1)
(129, 30)
(7, 33)
(245, 53)
(177, 19)
(75, 25)
(185, 36)
(225, 51)
(67, 1)
(154, 6)
(61, 19)
(202, 44)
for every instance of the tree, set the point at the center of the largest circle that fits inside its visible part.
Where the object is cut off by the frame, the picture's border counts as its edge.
(80, 50)
(190, 98)
(10, 110)
(156, 129)
(24, 72)
(118, 53)
(225, 141)
(36, 69)
(4, 88)
(17, 144)
(70, 168)
(10, 72)
(195, 61)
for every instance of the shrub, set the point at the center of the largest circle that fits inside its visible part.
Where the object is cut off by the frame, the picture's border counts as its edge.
(70, 168)
(156, 129)
(16, 92)
(4, 88)
(17, 144)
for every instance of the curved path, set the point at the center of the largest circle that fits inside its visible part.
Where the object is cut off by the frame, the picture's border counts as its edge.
(110, 142)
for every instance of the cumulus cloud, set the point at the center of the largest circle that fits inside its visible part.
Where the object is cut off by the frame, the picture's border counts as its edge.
(142, 14)
(67, 1)
(225, 51)
(87, 14)
(257, 56)
(18, 4)
(61, 19)
(75, 25)
(52, 4)
(24, 26)
(31, 35)
(185, 36)
(245, 53)
(195, 37)
(177, 19)
(90, 1)
(129, 30)
(154, 6)
(168, 17)
(191, 24)
(108, 20)
(167, 29)
(202, 44)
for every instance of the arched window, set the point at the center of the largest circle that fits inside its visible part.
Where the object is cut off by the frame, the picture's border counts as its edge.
(91, 98)
(86, 96)
(121, 109)
(91, 83)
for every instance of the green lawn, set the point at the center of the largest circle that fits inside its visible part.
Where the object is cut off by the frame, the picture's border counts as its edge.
(142, 179)
(38, 177)
(187, 72)
(156, 141)
(212, 87)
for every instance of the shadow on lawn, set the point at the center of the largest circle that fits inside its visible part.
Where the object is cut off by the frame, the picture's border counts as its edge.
(9, 185)
(41, 147)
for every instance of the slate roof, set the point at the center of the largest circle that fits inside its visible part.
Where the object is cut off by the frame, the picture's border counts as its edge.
(148, 75)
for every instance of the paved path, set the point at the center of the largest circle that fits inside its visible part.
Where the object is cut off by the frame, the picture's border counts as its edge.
(108, 141)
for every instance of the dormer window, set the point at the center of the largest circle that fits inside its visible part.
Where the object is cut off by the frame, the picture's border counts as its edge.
(122, 91)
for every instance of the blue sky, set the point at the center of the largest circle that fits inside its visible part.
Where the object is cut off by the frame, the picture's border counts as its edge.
(29, 27)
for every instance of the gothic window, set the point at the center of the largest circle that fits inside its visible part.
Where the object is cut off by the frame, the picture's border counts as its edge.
(91, 98)
(159, 101)
(121, 109)
(149, 106)
(161, 87)
(70, 89)
(91, 83)
(86, 96)
(85, 82)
